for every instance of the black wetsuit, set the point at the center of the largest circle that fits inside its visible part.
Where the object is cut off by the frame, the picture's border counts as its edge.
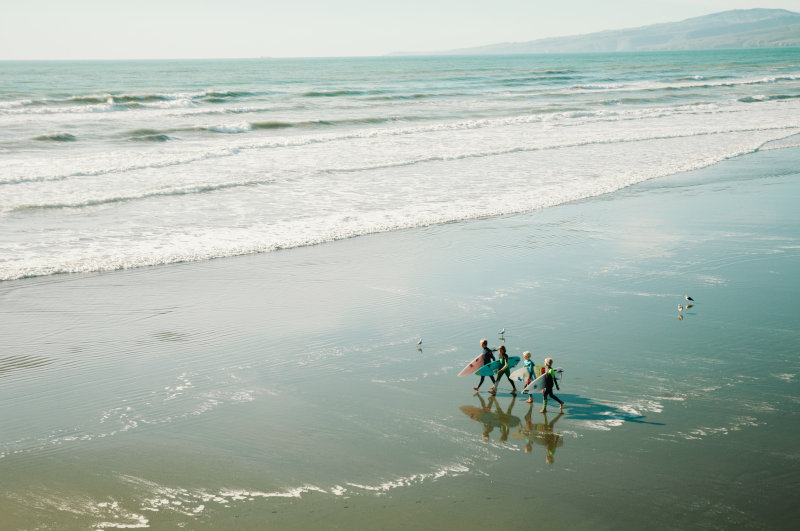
(488, 357)
(549, 380)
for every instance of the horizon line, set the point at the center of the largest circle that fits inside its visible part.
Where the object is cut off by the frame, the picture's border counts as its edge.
(398, 55)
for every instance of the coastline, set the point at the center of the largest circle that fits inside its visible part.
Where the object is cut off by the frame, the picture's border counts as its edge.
(286, 389)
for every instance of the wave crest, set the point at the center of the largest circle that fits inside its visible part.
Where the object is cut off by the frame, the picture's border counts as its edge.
(56, 137)
(189, 190)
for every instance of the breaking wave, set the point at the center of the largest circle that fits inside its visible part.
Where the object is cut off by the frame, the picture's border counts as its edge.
(56, 137)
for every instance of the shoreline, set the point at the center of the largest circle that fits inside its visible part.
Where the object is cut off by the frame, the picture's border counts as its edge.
(286, 389)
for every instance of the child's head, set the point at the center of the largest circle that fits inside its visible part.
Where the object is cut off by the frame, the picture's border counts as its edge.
(548, 362)
(484, 342)
(502, 349)
(526, 354)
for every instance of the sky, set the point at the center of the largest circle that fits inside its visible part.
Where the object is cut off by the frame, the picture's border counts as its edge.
(162, 29)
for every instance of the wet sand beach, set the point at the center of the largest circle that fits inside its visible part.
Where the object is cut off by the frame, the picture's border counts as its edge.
(286, 390)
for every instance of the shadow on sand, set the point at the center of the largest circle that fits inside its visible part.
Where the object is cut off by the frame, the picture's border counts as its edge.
(583, 408)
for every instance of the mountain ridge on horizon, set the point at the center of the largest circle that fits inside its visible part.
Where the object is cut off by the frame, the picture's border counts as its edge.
(732, 29)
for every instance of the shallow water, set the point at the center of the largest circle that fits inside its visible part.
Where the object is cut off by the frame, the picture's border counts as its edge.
(287, 389)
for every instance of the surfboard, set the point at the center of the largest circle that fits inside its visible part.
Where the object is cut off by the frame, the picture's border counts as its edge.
(538, 383)
(488, 370)
(520, 376)
(472, 366)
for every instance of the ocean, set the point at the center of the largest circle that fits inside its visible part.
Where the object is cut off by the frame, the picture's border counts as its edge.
(572, 201)
(114, 165)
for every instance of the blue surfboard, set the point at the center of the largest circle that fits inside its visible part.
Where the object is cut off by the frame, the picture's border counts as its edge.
(490, 368)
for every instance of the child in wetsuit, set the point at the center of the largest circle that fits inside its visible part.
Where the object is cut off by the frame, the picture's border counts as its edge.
(505, 369)
(488, 357)
(549, 380)
(530, 368)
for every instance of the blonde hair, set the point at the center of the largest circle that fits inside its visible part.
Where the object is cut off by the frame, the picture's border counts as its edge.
(526, 354)
(548, 361)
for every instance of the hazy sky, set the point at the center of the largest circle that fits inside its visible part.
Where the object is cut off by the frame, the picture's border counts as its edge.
(144, 29)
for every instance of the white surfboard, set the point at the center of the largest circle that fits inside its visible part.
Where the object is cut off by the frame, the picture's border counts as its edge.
(472, 366)
(520, 376)
(538, 383)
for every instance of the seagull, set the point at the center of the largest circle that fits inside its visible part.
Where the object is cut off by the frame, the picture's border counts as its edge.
(680, 308)
(502, 331)
(688, 298)
(419, 342)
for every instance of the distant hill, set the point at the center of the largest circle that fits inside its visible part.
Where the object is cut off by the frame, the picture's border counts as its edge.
(741, 28)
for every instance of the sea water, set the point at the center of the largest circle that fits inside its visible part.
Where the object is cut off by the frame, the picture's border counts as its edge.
(286, 390)
(110, 165)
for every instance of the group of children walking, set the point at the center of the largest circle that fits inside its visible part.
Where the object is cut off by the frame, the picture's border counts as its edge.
(505, 370)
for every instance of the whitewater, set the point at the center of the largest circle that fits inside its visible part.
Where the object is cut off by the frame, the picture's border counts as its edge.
(113, 165)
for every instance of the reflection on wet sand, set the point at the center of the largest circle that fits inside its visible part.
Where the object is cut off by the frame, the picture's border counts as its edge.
(541, 434)
(491, 420)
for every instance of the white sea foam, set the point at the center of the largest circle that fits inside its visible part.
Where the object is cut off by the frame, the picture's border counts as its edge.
(321, 221)
(105, 514)
(192, 502)
(241, 127)
(698, 82)
(4, 105)
(735, 424)
(365, 159)
(543, 139)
